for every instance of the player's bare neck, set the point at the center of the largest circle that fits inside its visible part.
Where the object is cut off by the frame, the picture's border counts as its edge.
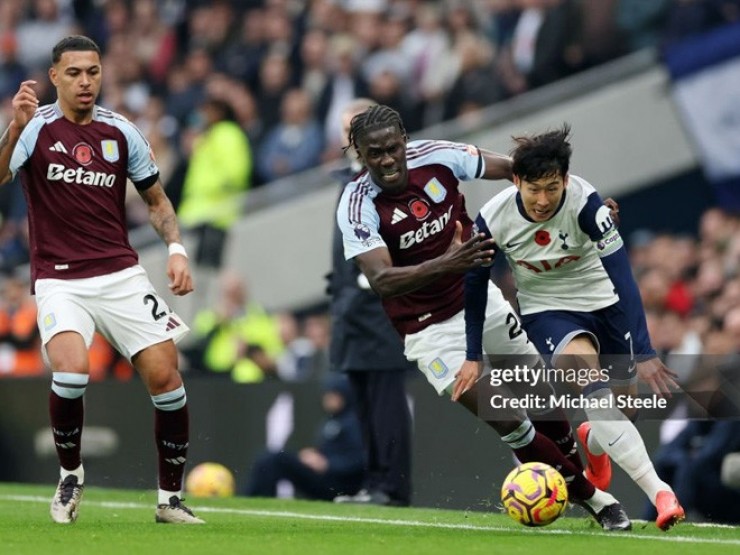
(79, 118)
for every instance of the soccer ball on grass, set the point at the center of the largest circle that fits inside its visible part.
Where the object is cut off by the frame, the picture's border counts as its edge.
(210, 479)
(534, 494)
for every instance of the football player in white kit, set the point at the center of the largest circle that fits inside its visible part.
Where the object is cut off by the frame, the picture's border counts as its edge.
(404, 223)
(579, 304)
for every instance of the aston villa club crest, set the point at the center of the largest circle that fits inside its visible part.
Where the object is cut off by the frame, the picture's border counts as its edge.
(110, 150)
(435, 190)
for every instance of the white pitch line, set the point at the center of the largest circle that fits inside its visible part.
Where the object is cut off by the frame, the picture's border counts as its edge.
(395, 522)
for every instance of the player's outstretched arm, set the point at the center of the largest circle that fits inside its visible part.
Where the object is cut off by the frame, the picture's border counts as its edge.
(164, 220)
(388, 280)
(24, 105)
(498, 166)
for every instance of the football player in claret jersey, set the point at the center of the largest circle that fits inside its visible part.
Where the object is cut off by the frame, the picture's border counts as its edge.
(405, 224)
(579, 303)
(74, 158)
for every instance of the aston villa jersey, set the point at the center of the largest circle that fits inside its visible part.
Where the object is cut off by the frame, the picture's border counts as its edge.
(74, 178)
(415, 225)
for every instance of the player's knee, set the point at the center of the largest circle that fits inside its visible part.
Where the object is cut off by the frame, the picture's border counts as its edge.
(163, 381)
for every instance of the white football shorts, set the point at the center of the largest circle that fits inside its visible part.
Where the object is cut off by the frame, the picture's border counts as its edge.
(123, 306)
(439, 350)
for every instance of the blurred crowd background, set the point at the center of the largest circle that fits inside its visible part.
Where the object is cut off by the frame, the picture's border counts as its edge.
(264, 82)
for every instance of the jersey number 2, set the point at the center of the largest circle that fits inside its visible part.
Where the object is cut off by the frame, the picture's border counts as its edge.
(155, 307)
(515, 328)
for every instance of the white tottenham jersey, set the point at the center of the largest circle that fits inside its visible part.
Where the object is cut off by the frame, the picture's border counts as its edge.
(556, 264)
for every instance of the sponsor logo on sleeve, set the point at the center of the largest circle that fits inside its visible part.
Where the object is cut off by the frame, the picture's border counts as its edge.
(362, 232)
(604, 219)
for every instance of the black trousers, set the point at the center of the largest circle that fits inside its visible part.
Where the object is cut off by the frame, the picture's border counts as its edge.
(386, 428)
(271, 467)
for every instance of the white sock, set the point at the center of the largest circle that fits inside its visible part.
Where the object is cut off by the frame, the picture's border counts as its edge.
(619, 438)
(163, 496)
(599, 500)
(79, 472)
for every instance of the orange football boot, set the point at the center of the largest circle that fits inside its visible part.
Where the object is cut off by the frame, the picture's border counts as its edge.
(670, 512)
(599, 468)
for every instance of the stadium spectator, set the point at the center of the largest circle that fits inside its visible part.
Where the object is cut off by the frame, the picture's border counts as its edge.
(20, 341)
(544, 45)
(305, 355)
(331, 467)
(600, 39)
(365, 346)
(237, 338)
(12, 71)
(476, 84)
(692, 464)
(557, 246)
(641, 21)
(295, 143)
(313, 70)
(402, 222)
(37, 35)
(219, 173)
(275, 77)
(345, 83)
(77, 291)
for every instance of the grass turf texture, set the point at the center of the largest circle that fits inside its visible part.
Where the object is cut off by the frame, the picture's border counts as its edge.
(121, 522)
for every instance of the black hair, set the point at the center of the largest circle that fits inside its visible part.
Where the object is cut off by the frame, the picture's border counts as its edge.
(375, 117)
(77, 43)
(543, 155)
(225, 109)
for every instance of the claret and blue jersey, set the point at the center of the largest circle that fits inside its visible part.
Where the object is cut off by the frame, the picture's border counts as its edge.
(415, 225)
(82, 169)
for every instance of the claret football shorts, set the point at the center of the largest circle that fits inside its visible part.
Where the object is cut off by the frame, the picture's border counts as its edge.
(123, 306)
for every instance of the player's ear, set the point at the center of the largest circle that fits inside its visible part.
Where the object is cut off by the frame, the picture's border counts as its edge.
(566, 180)
(53, 75)
(517, 181)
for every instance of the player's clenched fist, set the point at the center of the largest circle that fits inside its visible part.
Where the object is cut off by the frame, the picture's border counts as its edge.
(25, 103)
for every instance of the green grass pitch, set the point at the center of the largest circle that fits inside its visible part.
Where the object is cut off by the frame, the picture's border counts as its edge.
(114, 522)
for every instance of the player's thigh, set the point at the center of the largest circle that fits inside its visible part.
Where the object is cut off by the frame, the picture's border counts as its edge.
(439, 351)
(504, 338)
(133, 316)
(552, 331)
(617, 348)
(65, 324)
